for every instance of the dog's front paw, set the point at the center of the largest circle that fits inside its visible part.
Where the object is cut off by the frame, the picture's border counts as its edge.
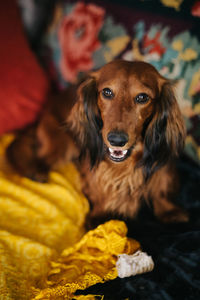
(93, 220)
(177, 215)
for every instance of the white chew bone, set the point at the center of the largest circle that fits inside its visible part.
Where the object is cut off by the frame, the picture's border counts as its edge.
(138, 263)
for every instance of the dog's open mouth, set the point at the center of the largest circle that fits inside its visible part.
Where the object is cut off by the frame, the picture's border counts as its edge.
(118, 155)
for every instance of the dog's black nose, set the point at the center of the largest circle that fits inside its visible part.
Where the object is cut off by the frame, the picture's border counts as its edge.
(117, 138)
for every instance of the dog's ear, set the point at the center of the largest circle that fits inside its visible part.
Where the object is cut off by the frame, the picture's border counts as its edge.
(165, 134)
(85, 120)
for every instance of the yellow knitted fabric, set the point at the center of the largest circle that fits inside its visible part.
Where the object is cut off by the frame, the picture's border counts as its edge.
(90, 261)
(37, 221)
(44, 253)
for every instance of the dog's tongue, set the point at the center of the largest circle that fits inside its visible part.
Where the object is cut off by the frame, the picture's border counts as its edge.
(117, 153)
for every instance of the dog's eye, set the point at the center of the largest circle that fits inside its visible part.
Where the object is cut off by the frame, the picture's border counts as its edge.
(107, 93)
(142, 98)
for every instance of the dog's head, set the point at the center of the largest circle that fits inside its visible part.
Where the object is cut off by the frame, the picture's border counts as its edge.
(125, 104)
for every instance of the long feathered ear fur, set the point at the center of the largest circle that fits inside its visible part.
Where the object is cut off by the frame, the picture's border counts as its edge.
(165, 134)
(85, 121)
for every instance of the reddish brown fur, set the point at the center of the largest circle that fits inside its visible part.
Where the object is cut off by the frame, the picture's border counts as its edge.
(116, 187)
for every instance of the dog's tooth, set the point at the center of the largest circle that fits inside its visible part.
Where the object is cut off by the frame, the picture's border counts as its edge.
(124, 152)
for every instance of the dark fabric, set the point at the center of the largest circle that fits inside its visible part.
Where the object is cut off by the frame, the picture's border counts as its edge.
(175, 250)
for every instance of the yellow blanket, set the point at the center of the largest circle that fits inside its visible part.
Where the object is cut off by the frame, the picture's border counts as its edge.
(42, 255)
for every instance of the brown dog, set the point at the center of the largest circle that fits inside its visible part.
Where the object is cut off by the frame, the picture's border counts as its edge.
(124, 123)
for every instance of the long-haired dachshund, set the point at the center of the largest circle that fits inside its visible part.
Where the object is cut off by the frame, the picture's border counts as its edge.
(125, 126)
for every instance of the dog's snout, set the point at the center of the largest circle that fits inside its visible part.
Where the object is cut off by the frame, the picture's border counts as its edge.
(118, 139)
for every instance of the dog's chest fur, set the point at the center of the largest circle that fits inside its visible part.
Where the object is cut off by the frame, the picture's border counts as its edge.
(117, 189)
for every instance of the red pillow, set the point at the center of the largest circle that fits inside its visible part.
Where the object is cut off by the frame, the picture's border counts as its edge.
(23, 84)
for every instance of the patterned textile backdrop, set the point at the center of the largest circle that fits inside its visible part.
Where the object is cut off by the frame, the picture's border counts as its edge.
(86, 35)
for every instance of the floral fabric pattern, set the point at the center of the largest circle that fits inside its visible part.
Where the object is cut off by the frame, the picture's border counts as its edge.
(78, 39)
(196, 9)
(85, 36)
(172, 3)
